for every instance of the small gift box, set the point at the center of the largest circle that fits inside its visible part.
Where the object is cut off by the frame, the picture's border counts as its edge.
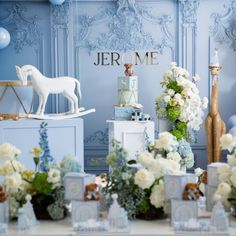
(212, 173)
(182, 211)
(174, 185)
(75, 185)
(124, 113)
(4, 216)
(85, 210)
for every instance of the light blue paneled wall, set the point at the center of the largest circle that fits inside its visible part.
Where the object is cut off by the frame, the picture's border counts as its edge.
(66, 39)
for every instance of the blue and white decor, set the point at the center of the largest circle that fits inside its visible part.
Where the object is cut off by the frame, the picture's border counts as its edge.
(213, 175)
(183, 210)
(174, 185)
(84, 211)
(75, 185)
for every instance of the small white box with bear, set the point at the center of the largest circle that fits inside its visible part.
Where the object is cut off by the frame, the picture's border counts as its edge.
(75, 185)
(85, 210)
(213, 174)
(182, 211)
(174, 184)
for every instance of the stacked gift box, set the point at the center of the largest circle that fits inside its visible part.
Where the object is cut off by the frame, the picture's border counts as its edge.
(82, 210)
(212, 183)
(174, 185)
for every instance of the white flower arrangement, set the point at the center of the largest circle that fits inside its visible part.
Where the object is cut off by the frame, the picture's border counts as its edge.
(227, 173)
(180, 102)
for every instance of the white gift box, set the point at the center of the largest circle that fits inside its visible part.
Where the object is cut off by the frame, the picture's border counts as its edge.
(212, 173)
(182, 211)
(4, 215)
(174, 185)
(85, 210)
(75, 185)
(210, 191)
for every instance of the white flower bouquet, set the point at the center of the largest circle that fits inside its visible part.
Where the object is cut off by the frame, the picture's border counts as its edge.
(45, 187)
(141, 189)
(180, 102)
(227, 173)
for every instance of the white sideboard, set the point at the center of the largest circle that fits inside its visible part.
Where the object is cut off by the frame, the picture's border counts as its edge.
(65, 137)
(133, 135)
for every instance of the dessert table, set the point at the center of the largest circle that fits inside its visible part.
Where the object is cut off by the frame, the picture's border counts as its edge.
(138, 227)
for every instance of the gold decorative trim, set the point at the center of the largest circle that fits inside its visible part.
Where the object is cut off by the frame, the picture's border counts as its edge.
(14, 83)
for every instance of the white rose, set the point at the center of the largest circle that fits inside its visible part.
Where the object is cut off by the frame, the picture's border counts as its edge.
(174, 156)
(166, 141)
(233, 178)
(167, 98)
(231, 159)
(13, 182)
(168, 75)
(157, 197)
(223, 190)
(224, 173)
(173, 64)
(54, 176)
(9, 167)
(146, 159)
(144, 178)
(7, 151)
(198, 171)
(171, 92)
(196, 78)
(227, 142)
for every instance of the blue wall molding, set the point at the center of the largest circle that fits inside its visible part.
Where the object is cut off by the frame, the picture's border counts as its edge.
(223, 29)
(24, 30)
(122, 37)
(99, 137)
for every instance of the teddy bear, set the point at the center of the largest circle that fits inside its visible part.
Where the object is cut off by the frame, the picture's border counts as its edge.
(128, 69)
(91, 192)
(3, 195)
(191, 192)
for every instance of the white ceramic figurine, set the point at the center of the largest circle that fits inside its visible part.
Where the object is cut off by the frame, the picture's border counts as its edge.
(44, 86)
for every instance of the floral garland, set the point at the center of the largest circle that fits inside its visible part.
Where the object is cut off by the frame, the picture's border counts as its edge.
(180, 102)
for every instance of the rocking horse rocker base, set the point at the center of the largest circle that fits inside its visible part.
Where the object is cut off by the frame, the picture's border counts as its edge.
(61, 116)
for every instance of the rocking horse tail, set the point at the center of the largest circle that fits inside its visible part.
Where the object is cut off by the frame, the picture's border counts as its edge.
(78, 88)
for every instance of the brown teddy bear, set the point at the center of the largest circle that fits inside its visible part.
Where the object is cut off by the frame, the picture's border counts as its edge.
(3, 195)
(128, 69)
(91, 192)
(191, 192)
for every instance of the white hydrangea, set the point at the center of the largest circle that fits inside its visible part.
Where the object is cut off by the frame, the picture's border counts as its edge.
(157, 197)
(8, 151)
(224, 173)
(146, 159)
(166, 141)
(205, 102)
(227, 142)
(144, 178)
(171, 92)
(167, 98)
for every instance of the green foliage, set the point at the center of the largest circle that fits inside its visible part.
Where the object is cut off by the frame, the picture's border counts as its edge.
(177, 134)
(181, 126)
(174, 85)
(173, 113)
(232, 197)
(40, 183)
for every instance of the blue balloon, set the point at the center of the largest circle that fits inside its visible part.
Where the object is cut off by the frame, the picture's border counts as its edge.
(5, 38)
(57, 2)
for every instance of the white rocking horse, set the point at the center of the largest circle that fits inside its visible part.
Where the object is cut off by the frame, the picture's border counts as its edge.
(44, 86)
